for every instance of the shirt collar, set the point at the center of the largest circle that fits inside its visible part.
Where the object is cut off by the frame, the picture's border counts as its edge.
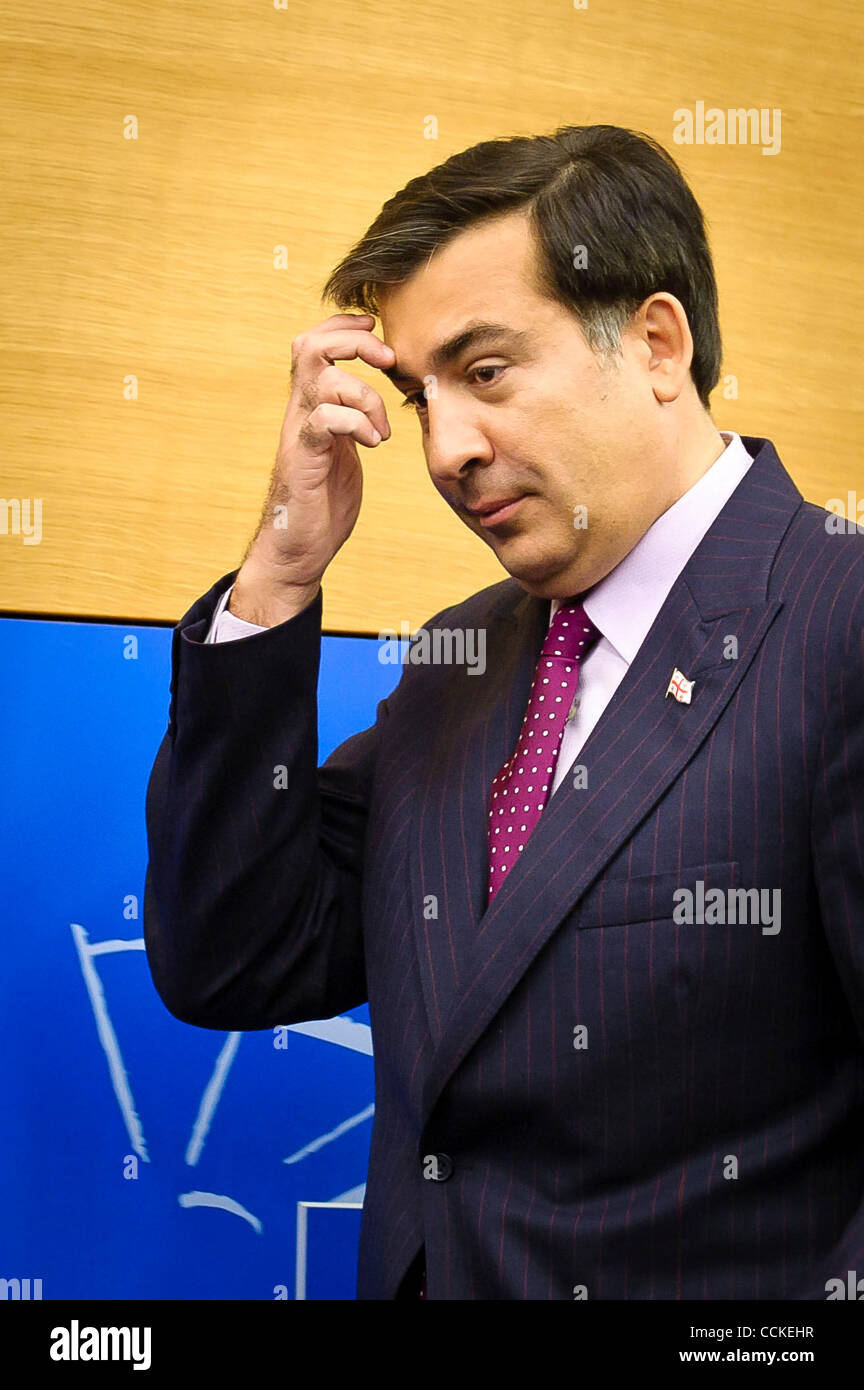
(624, 604)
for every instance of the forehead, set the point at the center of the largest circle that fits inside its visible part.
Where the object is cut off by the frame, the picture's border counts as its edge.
(485, 273)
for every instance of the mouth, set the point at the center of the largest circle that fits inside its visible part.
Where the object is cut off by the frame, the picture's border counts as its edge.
(492, 512)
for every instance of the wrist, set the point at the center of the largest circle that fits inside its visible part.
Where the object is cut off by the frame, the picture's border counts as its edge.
(259, 597)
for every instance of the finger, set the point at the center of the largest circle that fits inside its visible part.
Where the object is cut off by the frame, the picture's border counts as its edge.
(328, 420)
(312, 348)
(334, 384)
(343, 321)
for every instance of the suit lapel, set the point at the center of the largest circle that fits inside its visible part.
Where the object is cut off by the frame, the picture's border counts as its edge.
(473, 733)
(470, 958)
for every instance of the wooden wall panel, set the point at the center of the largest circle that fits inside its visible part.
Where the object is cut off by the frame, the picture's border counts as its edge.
(260, 126)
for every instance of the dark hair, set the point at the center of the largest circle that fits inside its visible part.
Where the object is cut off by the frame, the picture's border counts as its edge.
(616, 193)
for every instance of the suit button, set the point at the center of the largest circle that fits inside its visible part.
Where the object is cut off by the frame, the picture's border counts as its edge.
(437, 1167)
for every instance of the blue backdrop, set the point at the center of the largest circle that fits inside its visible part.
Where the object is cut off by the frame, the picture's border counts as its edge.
(142, 1157)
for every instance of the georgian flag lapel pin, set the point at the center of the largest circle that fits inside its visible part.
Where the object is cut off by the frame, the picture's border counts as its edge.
(680, 687)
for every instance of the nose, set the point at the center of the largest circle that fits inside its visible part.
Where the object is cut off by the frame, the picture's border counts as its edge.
(454, 441)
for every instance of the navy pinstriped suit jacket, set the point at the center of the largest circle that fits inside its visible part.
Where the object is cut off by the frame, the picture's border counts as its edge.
(711, 1048)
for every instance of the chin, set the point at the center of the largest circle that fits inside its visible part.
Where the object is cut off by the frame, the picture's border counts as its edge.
(540, 576)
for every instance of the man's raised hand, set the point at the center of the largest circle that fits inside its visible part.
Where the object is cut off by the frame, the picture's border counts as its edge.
(317, 481)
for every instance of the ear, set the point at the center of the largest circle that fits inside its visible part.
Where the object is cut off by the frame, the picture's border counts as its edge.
(661, 324)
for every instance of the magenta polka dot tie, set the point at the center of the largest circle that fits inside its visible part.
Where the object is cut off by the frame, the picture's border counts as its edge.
(521, 789)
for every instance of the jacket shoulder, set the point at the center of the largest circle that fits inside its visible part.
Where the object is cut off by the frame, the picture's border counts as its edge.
(481, 608)
(819, 574)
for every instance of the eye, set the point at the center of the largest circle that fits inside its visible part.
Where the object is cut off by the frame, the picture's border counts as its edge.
(492, 367)
(417, 399)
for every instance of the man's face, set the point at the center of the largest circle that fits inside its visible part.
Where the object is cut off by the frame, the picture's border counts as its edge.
(529, 412)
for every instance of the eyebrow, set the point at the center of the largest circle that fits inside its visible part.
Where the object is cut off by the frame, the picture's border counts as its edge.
(474, 335)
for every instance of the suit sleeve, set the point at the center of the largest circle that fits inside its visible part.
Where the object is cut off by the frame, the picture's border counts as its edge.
(252, 902)
(837, 837)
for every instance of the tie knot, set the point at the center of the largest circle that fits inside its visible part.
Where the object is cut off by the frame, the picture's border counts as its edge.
(571, 633)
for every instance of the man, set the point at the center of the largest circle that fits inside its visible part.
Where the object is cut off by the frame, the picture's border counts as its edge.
(616, 986)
